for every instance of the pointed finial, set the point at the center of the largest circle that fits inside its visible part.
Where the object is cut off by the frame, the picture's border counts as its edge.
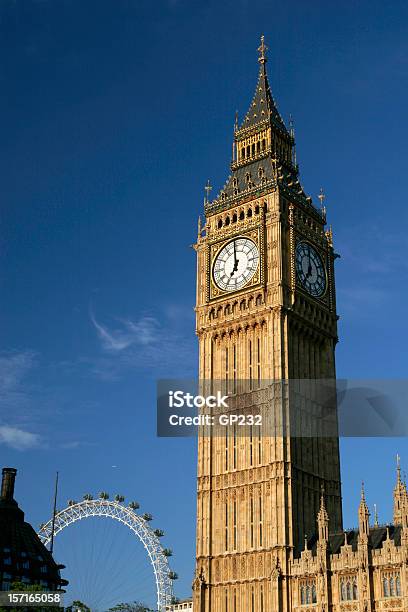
(398, 469)
(262, 51)
(362, 492)
(305, 542)
(321, 197)
(291, 125)
(207, 188)
(199, 228)
(322, 504)
(375, 516)
(236, 121)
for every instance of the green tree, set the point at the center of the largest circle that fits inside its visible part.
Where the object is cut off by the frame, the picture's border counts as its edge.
(78, 606)
(134, 606)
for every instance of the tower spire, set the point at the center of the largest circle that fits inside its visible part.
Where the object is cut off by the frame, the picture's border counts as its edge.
(263, 108)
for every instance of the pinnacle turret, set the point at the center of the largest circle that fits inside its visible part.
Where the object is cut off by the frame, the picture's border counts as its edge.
(400, 496)
(323, 520)
(363, 516)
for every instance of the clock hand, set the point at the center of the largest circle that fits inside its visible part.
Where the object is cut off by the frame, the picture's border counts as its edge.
(235, 268)
(309, 269)
(236, 261)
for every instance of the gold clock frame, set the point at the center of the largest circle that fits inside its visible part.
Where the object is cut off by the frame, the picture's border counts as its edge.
(215, 246)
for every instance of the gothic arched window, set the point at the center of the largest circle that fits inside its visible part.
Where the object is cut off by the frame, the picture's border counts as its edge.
(392, 589)
(386, 587)
(398, 586)
(355, 591)
(314, 597)
(302, 595)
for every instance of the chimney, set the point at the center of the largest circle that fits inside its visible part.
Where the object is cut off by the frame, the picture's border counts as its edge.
(7, 484)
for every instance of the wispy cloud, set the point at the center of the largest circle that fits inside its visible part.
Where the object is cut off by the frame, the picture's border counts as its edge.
(18, 439)
(15, 399)
(14, 366)
(147, 342)
(143, 332)
(27, 406)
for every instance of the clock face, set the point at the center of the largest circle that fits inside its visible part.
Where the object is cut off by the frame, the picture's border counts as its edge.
(236, 264)
(310, 269)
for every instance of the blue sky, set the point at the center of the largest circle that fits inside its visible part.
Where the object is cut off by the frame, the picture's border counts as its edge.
(113, 116)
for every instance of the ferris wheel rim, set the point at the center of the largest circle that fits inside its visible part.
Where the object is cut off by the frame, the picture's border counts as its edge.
(127, 516)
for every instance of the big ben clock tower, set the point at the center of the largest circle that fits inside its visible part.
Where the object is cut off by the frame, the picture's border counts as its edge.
(265, 312)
